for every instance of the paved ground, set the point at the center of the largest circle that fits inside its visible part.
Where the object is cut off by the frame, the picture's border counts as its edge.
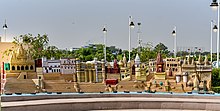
(109, 102)
(148, 110)
(82, 100)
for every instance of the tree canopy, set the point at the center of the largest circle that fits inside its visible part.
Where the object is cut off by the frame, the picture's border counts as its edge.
(39, 47)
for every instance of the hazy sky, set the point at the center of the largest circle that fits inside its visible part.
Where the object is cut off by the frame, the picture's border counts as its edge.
(74, 23)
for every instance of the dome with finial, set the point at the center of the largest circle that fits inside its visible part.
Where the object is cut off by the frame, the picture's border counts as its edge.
(137, 60)
(21, 53)
(21, 60)
(121, 64)
(124, 59)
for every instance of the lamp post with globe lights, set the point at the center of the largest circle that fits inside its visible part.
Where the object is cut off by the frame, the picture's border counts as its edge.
(215, 6)
(131, 26)
(174, 35)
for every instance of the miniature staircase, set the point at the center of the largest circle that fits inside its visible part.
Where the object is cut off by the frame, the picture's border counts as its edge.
(150, 76)
(92, 87)
(20, 85)
(52, 76)
(59, 86)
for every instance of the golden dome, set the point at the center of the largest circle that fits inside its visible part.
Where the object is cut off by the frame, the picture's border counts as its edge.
(124, 59)
(21, 53)
(120, 63)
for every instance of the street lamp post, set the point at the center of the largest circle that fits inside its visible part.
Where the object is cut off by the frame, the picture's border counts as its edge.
(5, 28)
(174, 35)
(215, 29)
(131, 26)
(214, 5)
(105, 35)
(139, 40)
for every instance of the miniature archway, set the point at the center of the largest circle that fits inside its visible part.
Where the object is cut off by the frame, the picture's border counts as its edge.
(22, 67)
(26, 68)
(13, 68)
(18, 68)
(31, 68)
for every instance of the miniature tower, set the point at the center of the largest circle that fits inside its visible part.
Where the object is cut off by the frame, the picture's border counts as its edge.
(125, 61)
(160, 63)
(160, 73)
(137, 67)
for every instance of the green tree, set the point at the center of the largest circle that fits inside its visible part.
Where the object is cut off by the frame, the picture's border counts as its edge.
(162, 49)
(36, 44)
(215, 77)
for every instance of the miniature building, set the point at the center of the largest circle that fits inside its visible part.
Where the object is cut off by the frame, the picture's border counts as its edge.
(140, 69)
(160, 73)
(173, 68)
(113, 67)
(67, 65)
(204, 71)
(116, 68)
(21, 61)
(189, 65)
(152, 66)
(91, 71)
(50, 66)
(125, 69)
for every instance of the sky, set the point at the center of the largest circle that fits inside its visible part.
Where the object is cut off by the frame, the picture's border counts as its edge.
(75, 23)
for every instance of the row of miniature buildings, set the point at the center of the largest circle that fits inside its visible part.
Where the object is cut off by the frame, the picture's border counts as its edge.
(187, 71)
(174, 69)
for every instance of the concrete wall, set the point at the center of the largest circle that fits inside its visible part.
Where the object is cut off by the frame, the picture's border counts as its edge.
(115, 105)
(82, 102)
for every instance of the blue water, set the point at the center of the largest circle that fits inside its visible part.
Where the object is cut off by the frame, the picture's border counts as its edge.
(159, 93)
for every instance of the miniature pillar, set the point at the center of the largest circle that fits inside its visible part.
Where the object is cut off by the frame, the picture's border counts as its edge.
(94, 73)
(78, 70)
(90, 75)
(86, 75)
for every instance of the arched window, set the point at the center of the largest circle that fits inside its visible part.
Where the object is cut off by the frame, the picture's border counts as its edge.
(22, 67)
(26, 68)
(18, 68)
(31, 68)
(13, 68)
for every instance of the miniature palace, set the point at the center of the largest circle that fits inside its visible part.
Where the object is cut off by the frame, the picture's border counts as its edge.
(22, 74)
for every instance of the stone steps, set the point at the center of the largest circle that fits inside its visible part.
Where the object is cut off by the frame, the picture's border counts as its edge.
(23, 85)
(92, 87)
(59, 86)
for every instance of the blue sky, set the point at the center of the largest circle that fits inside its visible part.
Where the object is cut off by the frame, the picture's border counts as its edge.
(73, 23)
